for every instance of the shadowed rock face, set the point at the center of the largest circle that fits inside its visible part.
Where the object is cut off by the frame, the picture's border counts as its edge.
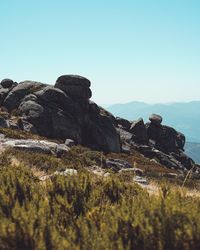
(61, 112)
(139, 131)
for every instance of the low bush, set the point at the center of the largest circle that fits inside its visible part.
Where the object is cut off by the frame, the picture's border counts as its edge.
(87, 212)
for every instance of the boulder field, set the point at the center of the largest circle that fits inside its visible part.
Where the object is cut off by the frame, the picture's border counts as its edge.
(64, 111)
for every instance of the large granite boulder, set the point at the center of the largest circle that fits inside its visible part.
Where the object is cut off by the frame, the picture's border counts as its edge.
(74, 86)
(16, 95)
(51, 118)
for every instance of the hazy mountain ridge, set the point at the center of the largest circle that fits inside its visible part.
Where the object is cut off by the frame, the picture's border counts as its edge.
(184, 117)
(193, 150)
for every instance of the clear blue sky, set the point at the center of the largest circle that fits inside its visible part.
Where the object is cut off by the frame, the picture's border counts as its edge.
(144, 50)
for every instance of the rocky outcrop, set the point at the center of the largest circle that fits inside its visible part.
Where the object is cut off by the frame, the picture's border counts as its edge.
(157, 141)
(64, 111)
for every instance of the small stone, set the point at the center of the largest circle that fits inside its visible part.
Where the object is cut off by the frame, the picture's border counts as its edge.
(117, 164)
(69, 143)
(68, 171)
(137, 171)
(140, 180)
(2, 136)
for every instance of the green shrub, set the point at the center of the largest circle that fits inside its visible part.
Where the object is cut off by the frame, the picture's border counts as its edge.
(86, 212)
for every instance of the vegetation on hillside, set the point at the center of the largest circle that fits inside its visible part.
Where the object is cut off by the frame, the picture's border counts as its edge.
(85, 211)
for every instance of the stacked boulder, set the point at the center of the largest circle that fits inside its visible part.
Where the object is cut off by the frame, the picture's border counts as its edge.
(62, 112)
(156, 141)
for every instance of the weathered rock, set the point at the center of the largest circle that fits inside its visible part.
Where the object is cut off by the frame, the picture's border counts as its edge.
(15, 96)
(171, 175)
(99, 133)
(13, 124)
(137, 171)
(37, 115)
(125, 136)
(166, 139)
(155, 119)
(154, 131)
(69, 143)
(62, 149)
(2, 136)
(93, 108)
(74, 86)
(8, 83)
(98, 171)
(167, 160)
(186, 161)
(3, 93)
(126, 149)
(64, 126)
(140, 180)
(117, 164)
(29, 145)
(139, 131)
(27, 126)
(36, 146)
(51, 96)
(164, 159)
(125, 124)
(108, 115)
(180, 140)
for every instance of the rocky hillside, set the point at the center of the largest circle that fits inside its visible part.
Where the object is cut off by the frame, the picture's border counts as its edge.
(66, 113)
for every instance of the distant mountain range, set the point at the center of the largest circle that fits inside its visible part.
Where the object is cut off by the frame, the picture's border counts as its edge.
(184, 117)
